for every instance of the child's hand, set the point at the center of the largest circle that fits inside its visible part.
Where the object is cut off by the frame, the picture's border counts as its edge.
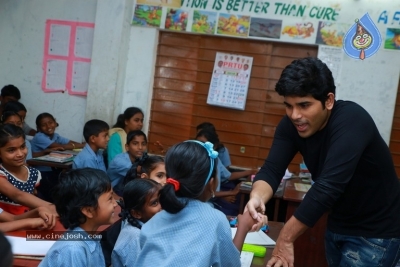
(230, 199)
(38, 223)
(47, 216)
(236, 190)
(246, 221)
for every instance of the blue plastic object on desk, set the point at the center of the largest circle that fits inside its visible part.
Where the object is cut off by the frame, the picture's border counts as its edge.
(233, 222)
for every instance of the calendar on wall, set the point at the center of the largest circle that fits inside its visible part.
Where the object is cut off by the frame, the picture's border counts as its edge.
(230, 81)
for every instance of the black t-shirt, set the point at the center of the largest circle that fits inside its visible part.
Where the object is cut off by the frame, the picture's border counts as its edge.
(353, 172)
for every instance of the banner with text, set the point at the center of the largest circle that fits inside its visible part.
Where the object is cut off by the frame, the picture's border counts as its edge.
(306, 22)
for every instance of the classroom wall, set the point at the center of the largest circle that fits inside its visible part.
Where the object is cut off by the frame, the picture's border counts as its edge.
(123, 62)
(372, 82)
(22, 25)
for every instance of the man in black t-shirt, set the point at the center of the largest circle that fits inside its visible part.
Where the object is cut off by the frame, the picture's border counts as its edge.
(350, 164)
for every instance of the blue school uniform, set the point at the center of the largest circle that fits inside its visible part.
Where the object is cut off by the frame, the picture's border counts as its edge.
(223, 155)
(87, 158)
(29, 147)
(42, 141)
(79, 253)
(118, 168)
(198, 235)
(127, 247)
(223, 174)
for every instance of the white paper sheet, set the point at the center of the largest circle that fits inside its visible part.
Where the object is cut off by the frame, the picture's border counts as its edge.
(332, 57)
(20, 246)
(287, 175)
(56, 74)
(256, 238)
(246, 258)
(59, 40)
(84, 42)
(80, 76)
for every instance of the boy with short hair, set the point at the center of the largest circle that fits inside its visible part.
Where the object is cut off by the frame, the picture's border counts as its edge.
(9, 93)
(84, 199)
(96, 136)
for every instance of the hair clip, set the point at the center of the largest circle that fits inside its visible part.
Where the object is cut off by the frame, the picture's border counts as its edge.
(174, 182)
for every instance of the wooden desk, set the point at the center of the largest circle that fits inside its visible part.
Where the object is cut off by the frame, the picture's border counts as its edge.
(36, 162)
(309, 248)
(278, 196)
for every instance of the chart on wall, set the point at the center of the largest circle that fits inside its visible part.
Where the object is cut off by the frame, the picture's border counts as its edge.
(230, 81)
(67, 56)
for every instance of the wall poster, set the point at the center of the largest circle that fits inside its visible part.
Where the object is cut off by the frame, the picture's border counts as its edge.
(230, 81)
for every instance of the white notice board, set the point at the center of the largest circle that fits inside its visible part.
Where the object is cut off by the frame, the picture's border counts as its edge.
(230, 81)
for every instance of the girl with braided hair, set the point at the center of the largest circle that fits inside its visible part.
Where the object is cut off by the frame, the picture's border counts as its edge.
(140, 203)
(189, 232)
(151, 167)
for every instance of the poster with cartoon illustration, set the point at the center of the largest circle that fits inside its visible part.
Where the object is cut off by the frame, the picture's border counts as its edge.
(299, 31)
(161, 3)
(265, 28)
(331, 33)
(204, 22)
(363, 39)
(230, 81)
(392, 40)
(236, 25)
(176, 19)
(147, 16)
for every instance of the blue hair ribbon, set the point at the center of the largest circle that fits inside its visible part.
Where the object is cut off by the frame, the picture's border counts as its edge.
(211, 153)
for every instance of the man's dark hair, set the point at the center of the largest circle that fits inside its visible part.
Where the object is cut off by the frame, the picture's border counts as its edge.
(306, 76)
(94, 127)
(11, 90)
(78, 189)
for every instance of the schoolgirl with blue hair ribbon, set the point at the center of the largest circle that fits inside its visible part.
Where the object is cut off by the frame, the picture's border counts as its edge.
(188, 231)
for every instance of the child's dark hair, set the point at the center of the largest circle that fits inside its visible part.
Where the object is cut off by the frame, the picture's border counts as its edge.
(128, 113)
(10, 131)
(206, 126)
(6, 255)
(306, 76)
(14, 106)
(192, 164)
(77, 189)
(94, 127)
(134, 198)
(7, 114)
(212, 137)
(134, 133)
(41, 116)
(11, 90)
(147, 164)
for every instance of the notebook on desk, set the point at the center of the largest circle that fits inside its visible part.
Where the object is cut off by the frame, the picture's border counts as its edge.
(57, 157)
(256, 238)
